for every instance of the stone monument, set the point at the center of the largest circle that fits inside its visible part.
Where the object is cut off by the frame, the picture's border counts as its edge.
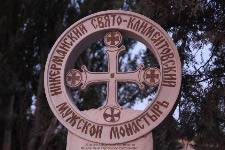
(112, 126)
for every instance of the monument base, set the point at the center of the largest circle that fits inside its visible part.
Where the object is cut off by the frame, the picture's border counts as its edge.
(76, 143)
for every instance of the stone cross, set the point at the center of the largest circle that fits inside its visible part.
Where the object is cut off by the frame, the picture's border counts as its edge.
(112, 40)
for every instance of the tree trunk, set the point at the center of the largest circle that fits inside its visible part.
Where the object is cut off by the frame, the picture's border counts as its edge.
(8, 131)
(50, 129)
(37, 123)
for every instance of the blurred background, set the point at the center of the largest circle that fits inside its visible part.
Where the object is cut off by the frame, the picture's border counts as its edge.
(29, 28)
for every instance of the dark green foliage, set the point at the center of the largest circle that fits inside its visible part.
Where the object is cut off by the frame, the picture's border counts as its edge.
(167, 135)
(202, 105)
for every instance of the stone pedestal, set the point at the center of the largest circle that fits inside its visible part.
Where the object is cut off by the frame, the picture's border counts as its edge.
(76, 143)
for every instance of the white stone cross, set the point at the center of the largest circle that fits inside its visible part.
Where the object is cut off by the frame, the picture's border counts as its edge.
(151, 76)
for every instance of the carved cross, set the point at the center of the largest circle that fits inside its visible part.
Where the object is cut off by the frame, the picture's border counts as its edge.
(73, 78)
(152, 76)
(113, 76)
(111, 114)
(113, 38)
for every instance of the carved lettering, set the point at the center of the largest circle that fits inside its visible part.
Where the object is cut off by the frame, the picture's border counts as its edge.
(58, 60)
(143, 27)
(113, 16)
(100, 23)
(156, 38)
(169, 69)
(169, 83)
(72, 37)
(53, 73)
(114, 131)
(149, 31)
(156, 110)
(98, 133)
(68, 111)
(83, 29)
(55, 88)
(77, 33)
(167, 56)
(73, 119)
(78, 125)
(54, 67)
(54, 79)
(61, 53)
(128, 129)
(122, 131)
(165, 45)
(93, 21)
(64, 46)
(152, 117)
(146, 121)
(85, 127)
(138, 123)
(171, 62)
(136, 25)
(70, 43)
(135, 127)
(164, 103)
(62, 107)
(92, 130)
(107, 21)
(119, 20)
(166, 51)
(131, 22)
(169, 77)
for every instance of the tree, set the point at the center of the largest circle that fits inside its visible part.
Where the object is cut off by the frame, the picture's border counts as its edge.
(28, 30)
(192, 25)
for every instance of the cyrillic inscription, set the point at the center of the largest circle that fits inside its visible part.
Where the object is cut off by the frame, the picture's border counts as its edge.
(76, 121)
(140, 123)
(59, 55)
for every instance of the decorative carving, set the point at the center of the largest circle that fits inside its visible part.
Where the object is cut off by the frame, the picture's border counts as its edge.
(112, 39)
(111, 124)
(73, 78)
(152, 76)
(111, 114)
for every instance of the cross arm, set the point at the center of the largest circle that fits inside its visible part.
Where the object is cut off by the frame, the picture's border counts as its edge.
(133, 76)
(92, 77)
